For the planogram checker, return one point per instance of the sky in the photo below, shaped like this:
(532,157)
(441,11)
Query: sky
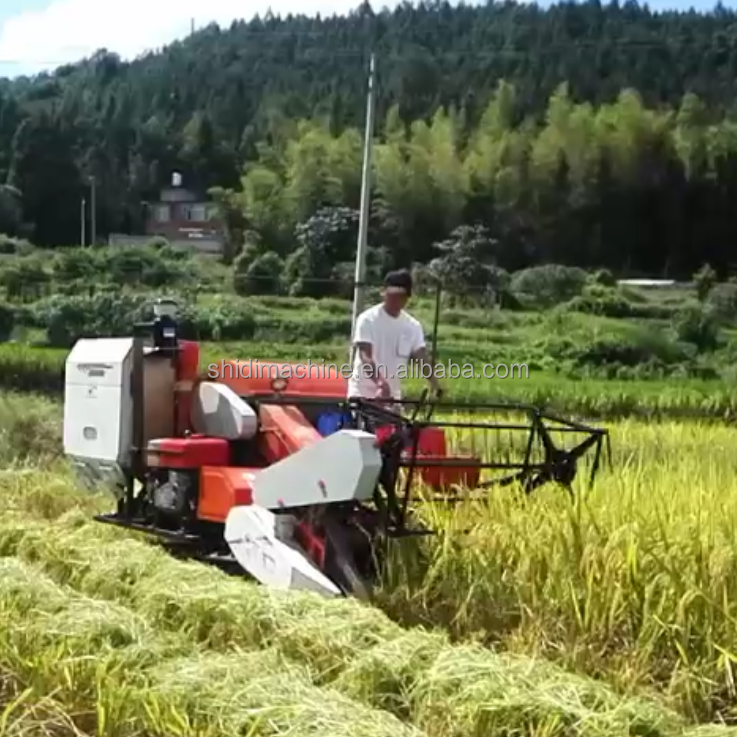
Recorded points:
(43,34)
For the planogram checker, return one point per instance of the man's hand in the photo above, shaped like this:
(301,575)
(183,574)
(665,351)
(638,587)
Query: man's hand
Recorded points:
(384,390)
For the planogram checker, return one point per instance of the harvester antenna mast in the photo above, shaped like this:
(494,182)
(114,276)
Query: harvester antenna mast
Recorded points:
(359,287)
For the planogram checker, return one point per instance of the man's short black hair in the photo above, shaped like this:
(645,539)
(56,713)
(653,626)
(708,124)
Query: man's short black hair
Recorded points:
(401,279)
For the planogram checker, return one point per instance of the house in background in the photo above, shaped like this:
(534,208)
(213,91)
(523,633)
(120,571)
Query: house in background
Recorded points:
(184,217)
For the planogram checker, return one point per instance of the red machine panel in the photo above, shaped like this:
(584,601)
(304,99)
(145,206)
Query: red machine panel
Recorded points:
(433,446)
(187,374)
(221,489)
(284,430)
(194,451)
(292,379)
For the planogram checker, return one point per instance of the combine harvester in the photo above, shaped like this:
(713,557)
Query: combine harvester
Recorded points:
(278,474)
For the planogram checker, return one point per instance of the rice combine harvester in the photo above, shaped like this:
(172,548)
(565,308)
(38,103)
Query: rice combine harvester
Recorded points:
(276,473)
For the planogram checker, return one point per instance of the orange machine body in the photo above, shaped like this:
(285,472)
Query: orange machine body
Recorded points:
(222,488)
(188,366)
(253,378)
(284,429)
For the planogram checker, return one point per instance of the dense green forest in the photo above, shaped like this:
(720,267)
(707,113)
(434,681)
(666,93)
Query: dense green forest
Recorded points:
(588,134)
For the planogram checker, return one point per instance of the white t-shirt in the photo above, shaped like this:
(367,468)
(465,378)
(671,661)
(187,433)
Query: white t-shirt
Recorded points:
(393,341)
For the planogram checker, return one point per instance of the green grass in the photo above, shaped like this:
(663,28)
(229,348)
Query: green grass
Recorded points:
(25,368)
(585,364)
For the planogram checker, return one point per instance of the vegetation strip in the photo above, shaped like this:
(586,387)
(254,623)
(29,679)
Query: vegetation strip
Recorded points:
(442,689)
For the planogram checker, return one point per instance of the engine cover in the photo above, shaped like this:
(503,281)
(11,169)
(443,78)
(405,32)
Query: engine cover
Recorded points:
(194,451)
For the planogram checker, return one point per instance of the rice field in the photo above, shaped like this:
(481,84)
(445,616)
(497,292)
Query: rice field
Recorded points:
(614,615)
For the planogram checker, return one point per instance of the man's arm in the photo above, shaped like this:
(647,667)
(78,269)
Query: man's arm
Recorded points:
(364,343)
(366,352)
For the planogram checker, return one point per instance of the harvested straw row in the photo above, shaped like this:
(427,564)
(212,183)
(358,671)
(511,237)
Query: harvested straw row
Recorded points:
(442,689)
(27,712)
(122,677)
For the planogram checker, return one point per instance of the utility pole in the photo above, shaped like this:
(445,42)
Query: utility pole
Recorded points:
(83,222)
(359,287)
(93,211)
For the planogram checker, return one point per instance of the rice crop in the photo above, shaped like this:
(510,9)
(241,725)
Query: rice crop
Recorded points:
(635,582)
(611,615)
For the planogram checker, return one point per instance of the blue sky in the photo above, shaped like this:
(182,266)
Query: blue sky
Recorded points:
(42,34)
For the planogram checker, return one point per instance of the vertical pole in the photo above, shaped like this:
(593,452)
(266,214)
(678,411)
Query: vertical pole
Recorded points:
(435,326)
(359,287)
(83,222)
(93,211)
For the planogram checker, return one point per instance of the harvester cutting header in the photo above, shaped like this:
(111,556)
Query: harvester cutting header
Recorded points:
(279,473)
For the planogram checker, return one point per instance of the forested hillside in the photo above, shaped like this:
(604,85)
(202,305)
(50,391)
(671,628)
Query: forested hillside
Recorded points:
(588,134)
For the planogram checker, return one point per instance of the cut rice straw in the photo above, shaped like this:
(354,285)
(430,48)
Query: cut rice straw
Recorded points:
(443,689)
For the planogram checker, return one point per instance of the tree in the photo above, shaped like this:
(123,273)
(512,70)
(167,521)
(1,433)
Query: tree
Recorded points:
(467,269)
(325,240)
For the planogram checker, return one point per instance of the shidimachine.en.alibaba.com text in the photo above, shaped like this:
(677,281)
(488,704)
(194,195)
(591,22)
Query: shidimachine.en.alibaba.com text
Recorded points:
(252,369)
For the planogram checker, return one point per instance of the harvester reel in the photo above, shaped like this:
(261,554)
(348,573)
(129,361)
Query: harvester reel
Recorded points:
(561,464)
(555,464)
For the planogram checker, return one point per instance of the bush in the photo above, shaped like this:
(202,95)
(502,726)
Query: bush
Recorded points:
(697,325)
(263,275)
(147,267)
(17,246)
(545,286)
(600,300)
(721,302)
(604,278)
(24,279)
(77,264)
(616,303)
(639,347)
(68,318)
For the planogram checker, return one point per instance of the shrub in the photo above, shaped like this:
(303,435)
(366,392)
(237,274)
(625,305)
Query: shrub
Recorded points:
(262,275)
(597,299)
(722,302)
(616,303)
(696,325)
(24,278)
(68,318)
(545,286)
(604,278)
(18,246)
(144,266)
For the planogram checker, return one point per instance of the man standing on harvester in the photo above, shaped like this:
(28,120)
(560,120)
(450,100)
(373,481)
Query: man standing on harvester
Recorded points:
(387,338)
